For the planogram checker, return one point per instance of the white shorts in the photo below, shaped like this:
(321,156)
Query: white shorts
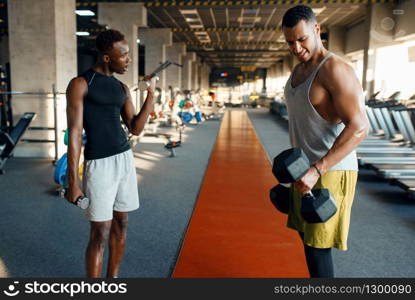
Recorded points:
(110,183)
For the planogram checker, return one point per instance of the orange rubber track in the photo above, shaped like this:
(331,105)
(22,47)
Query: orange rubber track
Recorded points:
(235,231)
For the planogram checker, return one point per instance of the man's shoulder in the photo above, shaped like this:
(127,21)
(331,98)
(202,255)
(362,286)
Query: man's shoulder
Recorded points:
(77,84)
(337,75)
(335,67)
(79,80)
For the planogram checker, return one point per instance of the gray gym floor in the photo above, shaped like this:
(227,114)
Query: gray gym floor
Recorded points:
(44,236)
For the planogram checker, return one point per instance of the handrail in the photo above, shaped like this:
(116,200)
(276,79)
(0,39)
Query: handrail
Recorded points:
(32,93)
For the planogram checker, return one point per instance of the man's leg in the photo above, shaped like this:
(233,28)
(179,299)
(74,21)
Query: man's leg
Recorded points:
(118,237)
(319,261)
(95,250)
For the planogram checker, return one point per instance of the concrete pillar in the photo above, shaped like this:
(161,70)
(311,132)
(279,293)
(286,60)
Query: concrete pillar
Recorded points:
(204,80)
(270,76)
(264,81)
(125,17)
(337,40)
(202,75)
(276,77)
(188,60)
(155,41)
(175,54)
(42,41)
(195,74)
(280,75)
(287,66)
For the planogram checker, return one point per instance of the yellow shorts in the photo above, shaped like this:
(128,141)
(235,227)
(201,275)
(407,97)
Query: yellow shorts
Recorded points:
(334,232)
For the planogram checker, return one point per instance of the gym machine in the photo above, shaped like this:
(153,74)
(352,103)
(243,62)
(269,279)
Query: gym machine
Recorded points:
(10,135)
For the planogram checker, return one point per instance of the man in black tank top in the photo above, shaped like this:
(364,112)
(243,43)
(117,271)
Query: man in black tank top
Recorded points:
(95,102)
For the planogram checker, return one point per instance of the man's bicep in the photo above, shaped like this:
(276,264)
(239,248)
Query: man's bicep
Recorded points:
(75,107)
(128,112)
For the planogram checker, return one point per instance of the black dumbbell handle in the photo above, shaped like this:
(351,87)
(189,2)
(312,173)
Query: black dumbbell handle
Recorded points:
(288,185)
(309,193)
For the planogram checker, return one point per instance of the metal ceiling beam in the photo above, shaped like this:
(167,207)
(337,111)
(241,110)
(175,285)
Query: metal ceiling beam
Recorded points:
(241,58)
(251,3)
(265,66)
(243,61)
(227,43)
(201,52)
(87,3)
(225,29)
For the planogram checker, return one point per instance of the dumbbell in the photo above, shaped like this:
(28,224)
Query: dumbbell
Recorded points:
(287,166)
(291,165)
(81,201)
(280,196)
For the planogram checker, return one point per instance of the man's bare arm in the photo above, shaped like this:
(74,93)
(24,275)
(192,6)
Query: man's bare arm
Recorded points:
(74,111)
(346,93)
(136,123)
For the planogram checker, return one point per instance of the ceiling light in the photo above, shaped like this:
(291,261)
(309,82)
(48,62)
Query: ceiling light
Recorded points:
(138,41)
(192,19)
(85,13)
(188,11)
(249,19)
(82,33)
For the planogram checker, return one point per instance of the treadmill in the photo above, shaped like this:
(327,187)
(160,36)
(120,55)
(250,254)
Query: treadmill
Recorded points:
(400,150)
(400,167)
(378,136)
(382,127)
(406,184)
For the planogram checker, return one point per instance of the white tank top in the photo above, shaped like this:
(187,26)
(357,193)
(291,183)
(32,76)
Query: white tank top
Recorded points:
(308,130)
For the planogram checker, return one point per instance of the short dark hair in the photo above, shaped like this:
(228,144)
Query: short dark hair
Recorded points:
(106,39)
(296,14)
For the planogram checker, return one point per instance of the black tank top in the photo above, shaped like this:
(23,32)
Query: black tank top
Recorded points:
(102,110)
